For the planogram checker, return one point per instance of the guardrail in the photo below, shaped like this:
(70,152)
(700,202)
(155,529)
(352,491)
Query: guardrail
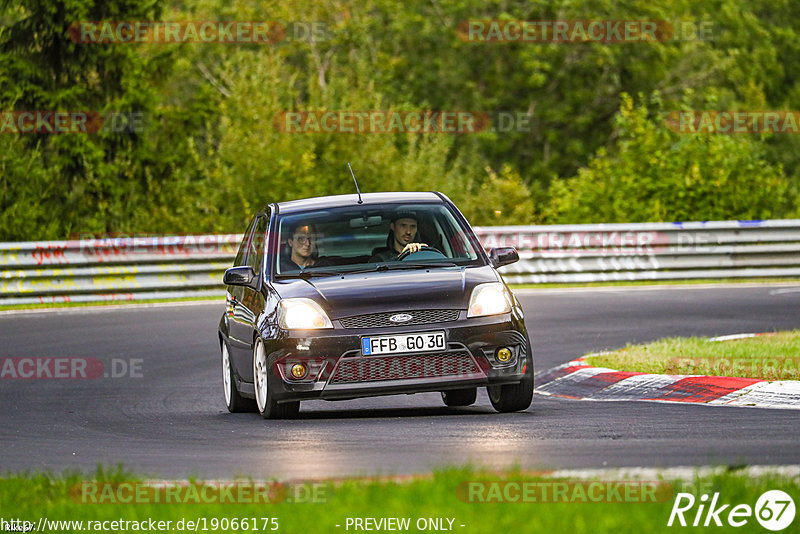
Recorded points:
(115,269)
(135,268)
(649,251)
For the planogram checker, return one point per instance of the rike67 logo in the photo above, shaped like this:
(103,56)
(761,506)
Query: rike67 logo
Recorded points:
(774,510)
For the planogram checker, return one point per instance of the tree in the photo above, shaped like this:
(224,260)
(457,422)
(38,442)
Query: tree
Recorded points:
(655,174)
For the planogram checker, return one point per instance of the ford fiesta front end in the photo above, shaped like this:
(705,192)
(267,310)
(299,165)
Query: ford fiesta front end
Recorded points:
(334,299)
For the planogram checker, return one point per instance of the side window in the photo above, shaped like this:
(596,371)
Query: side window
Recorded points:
(255,254)
(241,255)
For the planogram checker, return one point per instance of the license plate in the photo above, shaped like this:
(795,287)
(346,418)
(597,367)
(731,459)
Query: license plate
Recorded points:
(424,342)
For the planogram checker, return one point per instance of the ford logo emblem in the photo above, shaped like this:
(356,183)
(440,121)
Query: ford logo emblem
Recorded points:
(401,318)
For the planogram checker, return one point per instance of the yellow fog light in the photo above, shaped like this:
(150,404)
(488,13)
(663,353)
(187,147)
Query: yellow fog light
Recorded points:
(299,370)
(503,355)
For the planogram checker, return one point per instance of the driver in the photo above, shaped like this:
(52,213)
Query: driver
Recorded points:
(402,232)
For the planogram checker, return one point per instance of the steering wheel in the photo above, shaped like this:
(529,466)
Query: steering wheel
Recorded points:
(433,254)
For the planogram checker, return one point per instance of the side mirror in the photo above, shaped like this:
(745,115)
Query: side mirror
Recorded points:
(241,276)
(503,256)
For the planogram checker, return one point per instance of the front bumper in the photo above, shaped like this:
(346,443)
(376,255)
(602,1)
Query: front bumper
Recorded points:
(337,369)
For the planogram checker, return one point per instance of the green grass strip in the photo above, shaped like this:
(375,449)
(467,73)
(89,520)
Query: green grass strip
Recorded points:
(57,305)
(450,494)
(771,357)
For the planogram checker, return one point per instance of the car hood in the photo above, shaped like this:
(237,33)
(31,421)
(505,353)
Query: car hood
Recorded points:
(362,293)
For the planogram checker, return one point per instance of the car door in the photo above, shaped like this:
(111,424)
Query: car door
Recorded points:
(248,302)
(234,298)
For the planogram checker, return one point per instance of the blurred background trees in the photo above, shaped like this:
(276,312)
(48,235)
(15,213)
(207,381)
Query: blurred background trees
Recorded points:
(597,149)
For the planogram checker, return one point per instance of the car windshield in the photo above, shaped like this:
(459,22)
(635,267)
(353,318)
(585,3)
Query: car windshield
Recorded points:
(367,238)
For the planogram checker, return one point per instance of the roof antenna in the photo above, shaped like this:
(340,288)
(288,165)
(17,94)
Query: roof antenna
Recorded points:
(355,182)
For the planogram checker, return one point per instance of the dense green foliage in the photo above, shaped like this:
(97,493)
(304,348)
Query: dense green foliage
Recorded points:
(598,148)
(658,175)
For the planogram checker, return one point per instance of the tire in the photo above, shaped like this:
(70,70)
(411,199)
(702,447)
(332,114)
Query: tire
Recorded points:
(235,402)
(513,397)
(460,397)
(265,405)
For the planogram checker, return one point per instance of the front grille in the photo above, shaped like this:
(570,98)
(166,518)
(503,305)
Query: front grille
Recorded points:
(377,320)
(405,367)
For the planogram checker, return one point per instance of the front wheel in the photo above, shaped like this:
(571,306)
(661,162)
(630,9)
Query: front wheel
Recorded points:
(235,402)
(513,397)
(267,407)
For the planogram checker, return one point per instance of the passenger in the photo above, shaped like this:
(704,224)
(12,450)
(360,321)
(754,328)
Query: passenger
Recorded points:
(302,245)
(401,238)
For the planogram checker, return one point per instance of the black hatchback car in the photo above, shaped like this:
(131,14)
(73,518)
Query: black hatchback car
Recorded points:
(362,295)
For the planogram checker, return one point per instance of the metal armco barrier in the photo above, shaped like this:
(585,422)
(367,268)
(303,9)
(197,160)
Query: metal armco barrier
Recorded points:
(136,268)
(648,251)
(115,269)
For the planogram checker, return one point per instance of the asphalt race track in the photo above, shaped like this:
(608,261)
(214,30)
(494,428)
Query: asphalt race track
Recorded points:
(171,420)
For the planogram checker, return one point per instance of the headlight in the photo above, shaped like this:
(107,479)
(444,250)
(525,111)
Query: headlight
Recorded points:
(302,314)
(489,299)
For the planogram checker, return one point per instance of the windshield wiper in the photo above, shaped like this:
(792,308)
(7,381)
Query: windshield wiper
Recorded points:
(305,275)
(400,266)
(407,264)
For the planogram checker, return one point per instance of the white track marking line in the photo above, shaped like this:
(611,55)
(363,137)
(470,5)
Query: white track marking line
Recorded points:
(673,473)
(785,286)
